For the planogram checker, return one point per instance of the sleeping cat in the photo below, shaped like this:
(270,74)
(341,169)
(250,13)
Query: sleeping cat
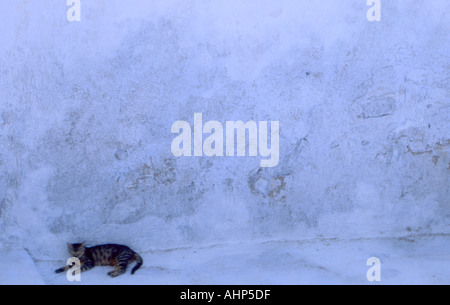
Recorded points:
(104,255)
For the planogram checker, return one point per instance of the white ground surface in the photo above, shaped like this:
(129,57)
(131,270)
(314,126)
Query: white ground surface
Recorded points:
(419,259)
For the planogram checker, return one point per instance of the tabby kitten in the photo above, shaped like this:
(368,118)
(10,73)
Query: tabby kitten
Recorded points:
(104,255)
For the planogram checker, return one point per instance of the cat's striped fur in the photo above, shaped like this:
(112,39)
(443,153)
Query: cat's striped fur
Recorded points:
(118,256)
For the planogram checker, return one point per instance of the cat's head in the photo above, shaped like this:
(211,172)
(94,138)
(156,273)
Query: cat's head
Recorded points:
(76,250)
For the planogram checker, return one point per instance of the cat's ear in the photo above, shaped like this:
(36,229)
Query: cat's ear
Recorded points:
(83,244)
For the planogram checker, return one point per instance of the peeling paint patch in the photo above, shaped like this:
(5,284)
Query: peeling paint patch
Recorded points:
(277,186)
(418,153)
(435,159)
(377,107)
(265,185)
(443,145)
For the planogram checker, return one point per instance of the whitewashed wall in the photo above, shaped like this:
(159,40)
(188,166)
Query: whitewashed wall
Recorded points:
(86,110)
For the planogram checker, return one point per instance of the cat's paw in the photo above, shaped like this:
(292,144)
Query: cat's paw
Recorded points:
(115,273)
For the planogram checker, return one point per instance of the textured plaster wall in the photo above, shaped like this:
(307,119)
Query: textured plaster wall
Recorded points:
(86,110)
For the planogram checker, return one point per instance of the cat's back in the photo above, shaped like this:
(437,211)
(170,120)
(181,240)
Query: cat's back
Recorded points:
(106,254)
(111,247)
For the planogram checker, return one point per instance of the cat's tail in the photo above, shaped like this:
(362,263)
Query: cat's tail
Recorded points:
(139,263)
